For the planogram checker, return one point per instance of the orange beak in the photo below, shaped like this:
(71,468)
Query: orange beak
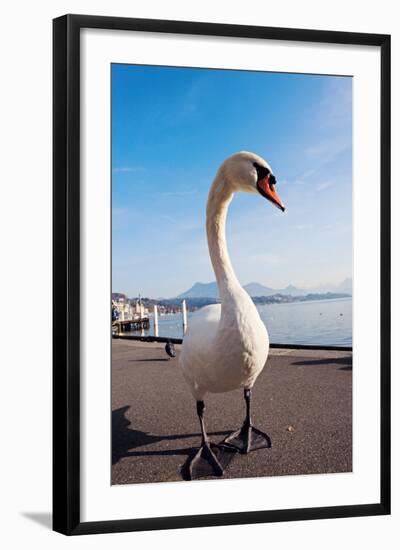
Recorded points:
(268,191)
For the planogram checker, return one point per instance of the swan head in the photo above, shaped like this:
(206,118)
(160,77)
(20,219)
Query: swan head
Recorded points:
(250,173)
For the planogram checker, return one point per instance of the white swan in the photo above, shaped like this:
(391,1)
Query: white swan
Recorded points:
(226,346)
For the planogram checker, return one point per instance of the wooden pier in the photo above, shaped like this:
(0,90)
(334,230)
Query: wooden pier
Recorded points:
(131,324)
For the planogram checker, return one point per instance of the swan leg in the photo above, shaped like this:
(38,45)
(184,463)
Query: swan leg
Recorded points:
(248,438)
(210,459)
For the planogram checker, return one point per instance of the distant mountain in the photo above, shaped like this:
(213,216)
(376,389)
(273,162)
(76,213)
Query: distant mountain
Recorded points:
(292,290)
(255,289)
(345,286)
(201,290)
(210,290)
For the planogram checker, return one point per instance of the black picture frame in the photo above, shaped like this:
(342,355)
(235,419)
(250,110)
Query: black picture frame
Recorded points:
(66,272)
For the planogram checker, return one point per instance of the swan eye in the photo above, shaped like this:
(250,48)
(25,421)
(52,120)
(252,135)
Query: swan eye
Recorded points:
(263,172)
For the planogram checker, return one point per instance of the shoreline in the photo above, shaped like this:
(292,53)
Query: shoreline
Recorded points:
(329,323)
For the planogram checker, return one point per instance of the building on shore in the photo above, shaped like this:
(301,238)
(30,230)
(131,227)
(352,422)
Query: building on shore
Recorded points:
(125,310)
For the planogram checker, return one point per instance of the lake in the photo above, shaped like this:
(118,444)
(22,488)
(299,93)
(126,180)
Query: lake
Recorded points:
(320,322)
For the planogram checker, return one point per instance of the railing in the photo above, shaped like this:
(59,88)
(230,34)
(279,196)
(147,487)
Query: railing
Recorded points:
(164,339)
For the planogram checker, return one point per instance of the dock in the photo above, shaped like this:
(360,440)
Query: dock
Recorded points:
(131,324)
(302,399)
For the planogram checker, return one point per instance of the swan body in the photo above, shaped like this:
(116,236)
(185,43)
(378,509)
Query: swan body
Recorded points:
(225,348)
(226,345)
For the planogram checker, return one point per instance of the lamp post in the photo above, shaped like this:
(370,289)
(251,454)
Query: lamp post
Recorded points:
(184,316)
(155,321)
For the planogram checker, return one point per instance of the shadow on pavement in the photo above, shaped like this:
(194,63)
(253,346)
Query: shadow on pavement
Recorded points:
(156,359)
(124,439)
(347,361)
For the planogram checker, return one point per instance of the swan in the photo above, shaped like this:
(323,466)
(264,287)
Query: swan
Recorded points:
(226,345)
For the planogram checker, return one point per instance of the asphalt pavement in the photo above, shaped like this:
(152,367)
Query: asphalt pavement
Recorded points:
(302,399)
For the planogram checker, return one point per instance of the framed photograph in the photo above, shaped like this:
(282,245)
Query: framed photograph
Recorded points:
(221,274)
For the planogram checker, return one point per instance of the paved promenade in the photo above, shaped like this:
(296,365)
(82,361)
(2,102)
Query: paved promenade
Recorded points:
(302,400)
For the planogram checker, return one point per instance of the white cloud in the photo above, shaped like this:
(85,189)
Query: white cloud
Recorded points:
(125,169)
(321,155)
(302,226)
(324,185)
(179,193)
(271,259)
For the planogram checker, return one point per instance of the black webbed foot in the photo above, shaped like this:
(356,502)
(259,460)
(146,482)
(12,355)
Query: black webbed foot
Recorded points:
(210,460)
(247,439)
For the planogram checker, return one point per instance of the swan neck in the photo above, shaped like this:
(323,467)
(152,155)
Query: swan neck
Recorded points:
(218,202)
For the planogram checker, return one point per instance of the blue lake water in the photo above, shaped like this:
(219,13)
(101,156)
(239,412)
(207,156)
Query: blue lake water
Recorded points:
(322,322)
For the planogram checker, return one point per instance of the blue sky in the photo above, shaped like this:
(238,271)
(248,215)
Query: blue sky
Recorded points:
(173,127)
